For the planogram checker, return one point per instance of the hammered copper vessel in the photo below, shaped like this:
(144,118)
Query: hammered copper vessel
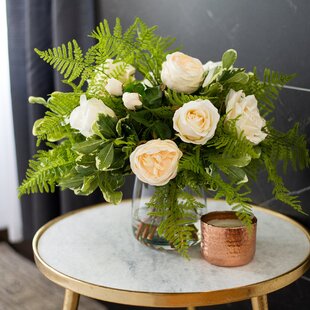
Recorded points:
(227,246)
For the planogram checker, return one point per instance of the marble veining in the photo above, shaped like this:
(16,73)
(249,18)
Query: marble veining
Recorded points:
(97,246)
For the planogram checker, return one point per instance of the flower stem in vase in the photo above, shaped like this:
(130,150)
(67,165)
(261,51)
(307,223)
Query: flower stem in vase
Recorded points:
(166,218)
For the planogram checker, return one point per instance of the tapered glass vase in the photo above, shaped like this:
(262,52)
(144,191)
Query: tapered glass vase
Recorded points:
(147,227)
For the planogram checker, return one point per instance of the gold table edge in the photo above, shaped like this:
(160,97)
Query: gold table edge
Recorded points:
(153,299)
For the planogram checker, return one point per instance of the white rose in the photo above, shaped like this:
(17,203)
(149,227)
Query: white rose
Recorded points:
(182,73)
(249,122)
(210,67)
(83,117)
(156,161)
(131,100)
(114,87)
(196,121)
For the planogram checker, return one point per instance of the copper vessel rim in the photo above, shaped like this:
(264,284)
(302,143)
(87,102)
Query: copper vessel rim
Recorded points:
(223,215)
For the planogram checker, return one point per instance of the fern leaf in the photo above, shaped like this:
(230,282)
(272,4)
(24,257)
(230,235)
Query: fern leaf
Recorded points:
(63,103)
(267,90)
(178,99)
(50,128)
(238,201)
(290,147)
(47,168)
(68,60)
(102,30)
(280,192)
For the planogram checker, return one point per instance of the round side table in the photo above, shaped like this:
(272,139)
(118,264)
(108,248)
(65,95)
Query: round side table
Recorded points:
(92,252)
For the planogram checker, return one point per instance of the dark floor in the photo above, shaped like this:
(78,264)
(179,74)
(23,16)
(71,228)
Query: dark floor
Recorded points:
(296,296)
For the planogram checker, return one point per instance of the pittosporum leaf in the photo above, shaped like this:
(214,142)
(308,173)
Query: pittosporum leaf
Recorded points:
(105,126)
(229,58)
(105,157)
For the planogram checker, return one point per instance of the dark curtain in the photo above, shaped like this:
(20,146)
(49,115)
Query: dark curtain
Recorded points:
(42,24)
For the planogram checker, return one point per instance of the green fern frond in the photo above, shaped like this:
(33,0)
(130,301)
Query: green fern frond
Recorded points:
(280,192)
(177,217)
(138,46)
(53,126)
(118,30)
(162,112)
(178,99)
(290,147)
(131,32)
(267,90)
(192,171)
(105,49)
(102,30)
(63,103)
(229,142)
(190,162)
(68,60)
(47,168)
(50,128)
(239,202)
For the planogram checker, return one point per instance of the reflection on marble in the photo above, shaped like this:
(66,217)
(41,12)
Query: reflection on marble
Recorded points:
(97,246)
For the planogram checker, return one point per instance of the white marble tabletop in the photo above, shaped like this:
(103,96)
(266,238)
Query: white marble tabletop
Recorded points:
(97,246)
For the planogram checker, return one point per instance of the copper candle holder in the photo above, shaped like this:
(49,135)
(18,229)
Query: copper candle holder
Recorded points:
(225,240)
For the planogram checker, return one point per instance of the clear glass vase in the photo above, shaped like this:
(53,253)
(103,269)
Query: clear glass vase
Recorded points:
(145,226)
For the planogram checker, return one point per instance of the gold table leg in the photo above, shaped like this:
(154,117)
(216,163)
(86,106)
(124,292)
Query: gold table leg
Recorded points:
(71,301)
(260,303)
(190,308)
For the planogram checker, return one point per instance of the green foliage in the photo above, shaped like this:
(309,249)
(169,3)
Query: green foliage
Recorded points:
(267,90)
(108,184)
(68,60)
(87,147)
(178,212)
(139,46)
(290,147)
(47,168)
(105,127)
(195,173)
(178,99)
(50,128)
(105,157)
(229,58)
(224,164)
(229,143)
(53,126)
(280,192)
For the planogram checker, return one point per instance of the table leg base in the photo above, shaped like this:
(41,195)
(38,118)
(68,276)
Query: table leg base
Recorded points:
(260,302)
(71,301)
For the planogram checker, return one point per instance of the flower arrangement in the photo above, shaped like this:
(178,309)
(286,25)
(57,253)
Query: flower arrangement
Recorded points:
(180,124)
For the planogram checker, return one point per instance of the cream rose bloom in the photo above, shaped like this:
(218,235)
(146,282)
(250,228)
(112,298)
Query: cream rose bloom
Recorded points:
(196,121)
(156,161)
(83,117)
(114,87)
(182,73)
(131,100)
(249,122)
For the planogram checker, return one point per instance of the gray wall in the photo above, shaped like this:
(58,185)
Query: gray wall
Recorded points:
(272,34)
